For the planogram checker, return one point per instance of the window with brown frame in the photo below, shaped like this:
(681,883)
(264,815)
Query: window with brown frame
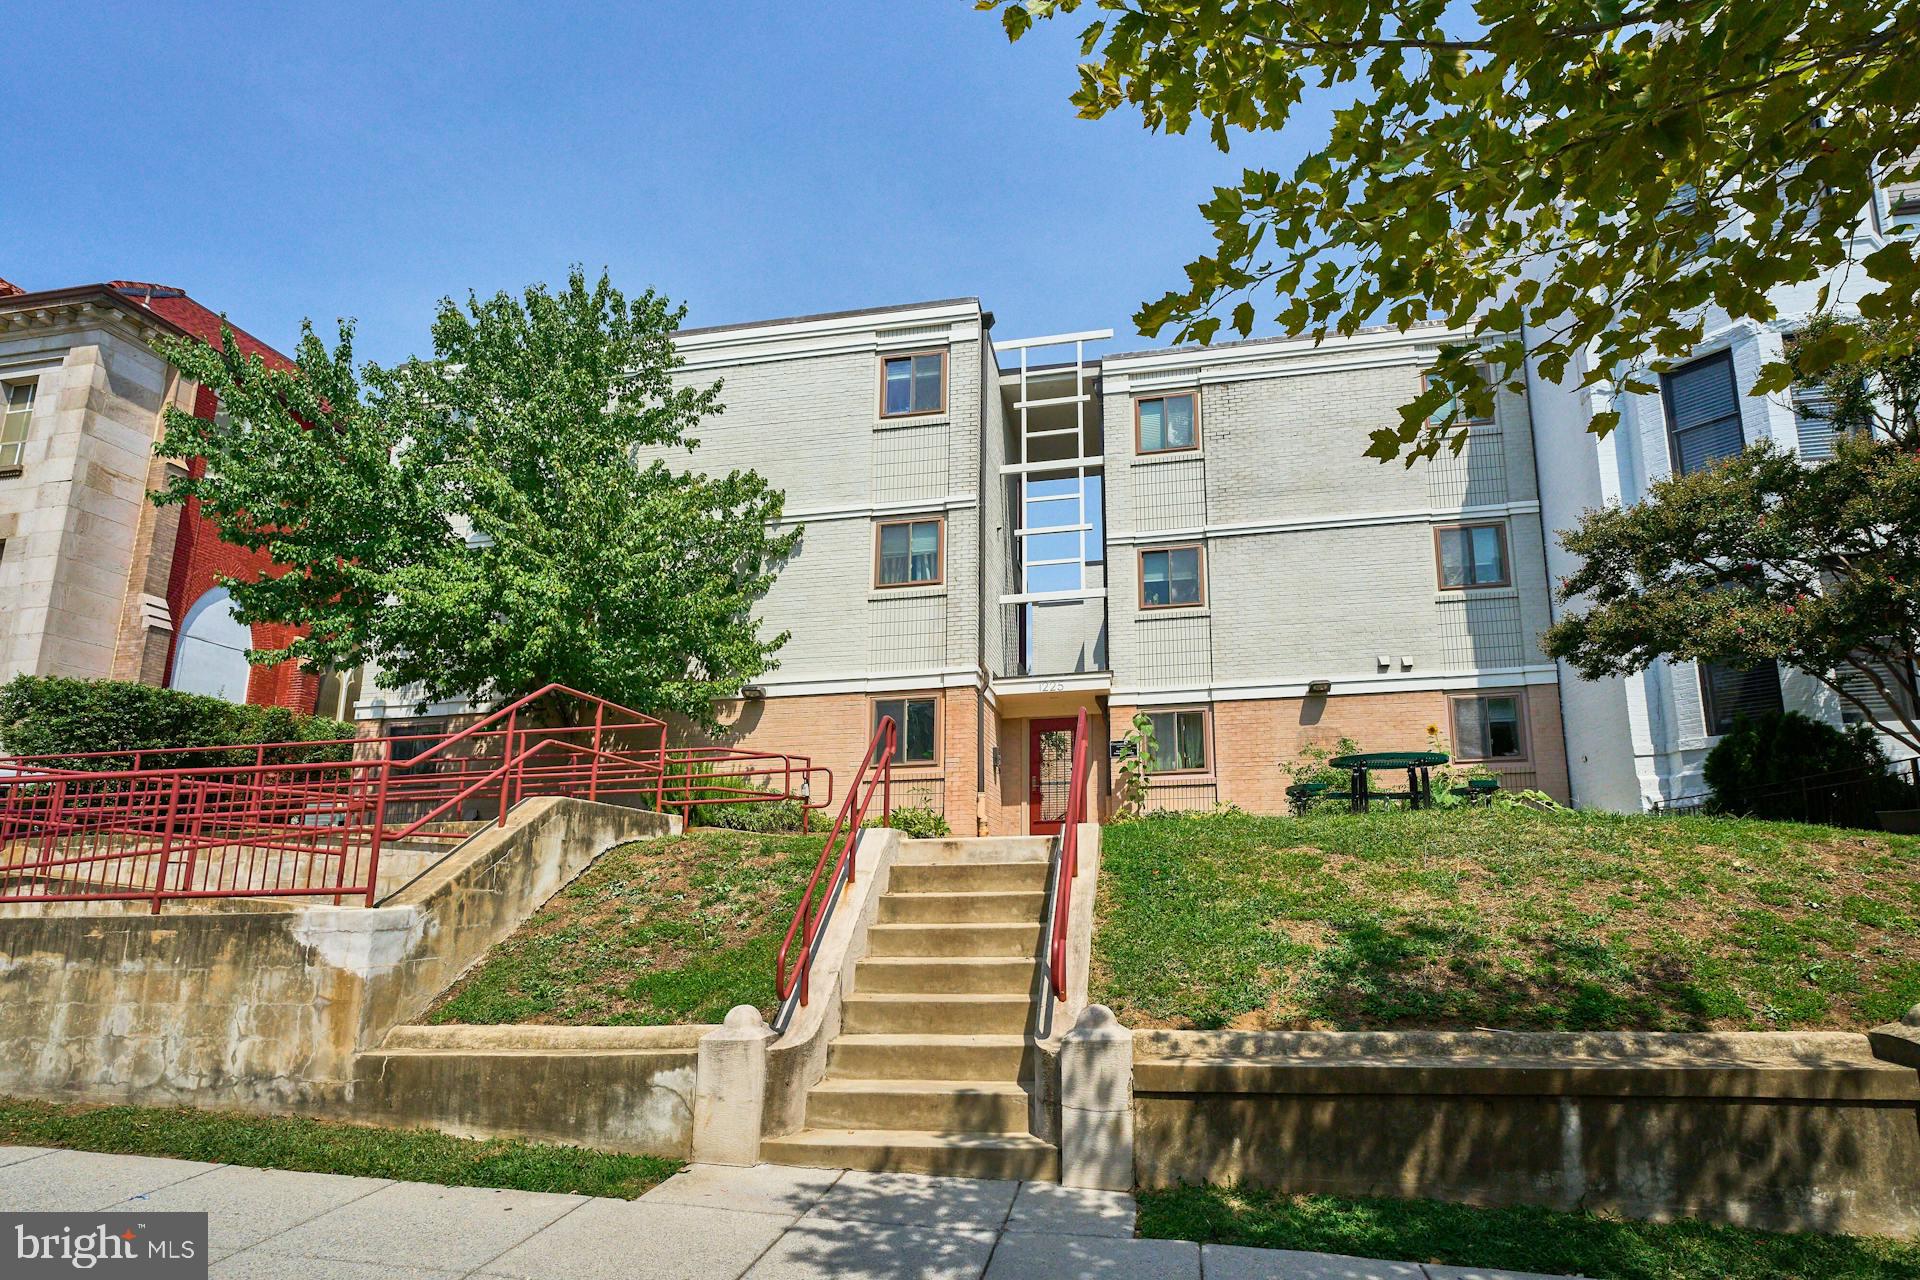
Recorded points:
(1166,424)
(1489,726)
(1471,555)
(1485,374)
(1172,577)
(916,728)
(1179,741)
(913,383)
(908,553)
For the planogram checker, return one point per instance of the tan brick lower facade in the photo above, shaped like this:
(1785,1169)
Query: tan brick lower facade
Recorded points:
(1249,742)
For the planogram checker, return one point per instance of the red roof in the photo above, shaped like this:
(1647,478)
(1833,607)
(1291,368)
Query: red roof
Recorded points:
(172,304)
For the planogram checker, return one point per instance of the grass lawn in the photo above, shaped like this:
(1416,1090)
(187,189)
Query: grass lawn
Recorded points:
(1516,1239)
(1505,918)
(322,1146)
(655,932)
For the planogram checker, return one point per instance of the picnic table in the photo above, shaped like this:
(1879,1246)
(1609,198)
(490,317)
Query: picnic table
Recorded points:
(1418,764)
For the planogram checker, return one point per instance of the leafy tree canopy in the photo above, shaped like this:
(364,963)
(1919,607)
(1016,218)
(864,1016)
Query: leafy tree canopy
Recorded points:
(1603,171)
(480,524)
(1761,558)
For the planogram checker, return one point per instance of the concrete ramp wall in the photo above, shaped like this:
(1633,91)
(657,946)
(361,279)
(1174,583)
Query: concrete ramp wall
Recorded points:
(266,1009)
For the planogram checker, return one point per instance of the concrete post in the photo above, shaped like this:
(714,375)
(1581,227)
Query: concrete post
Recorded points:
(1096,1102)
(730,1089)
(1898,1041)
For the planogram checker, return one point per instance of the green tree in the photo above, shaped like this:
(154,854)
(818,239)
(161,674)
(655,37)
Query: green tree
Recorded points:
(480,524)
(1603,172)
(1762,558)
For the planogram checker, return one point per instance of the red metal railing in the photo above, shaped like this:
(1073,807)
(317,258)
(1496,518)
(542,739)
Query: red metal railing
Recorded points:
(876,771)
(286,827)
(1069,864)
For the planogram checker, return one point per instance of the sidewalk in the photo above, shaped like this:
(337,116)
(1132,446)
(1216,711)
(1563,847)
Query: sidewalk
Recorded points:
(708,1223)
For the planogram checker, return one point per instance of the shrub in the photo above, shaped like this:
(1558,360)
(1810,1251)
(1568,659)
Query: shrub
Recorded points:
(764,817)
(1784,765)
(54,716)
(915,823)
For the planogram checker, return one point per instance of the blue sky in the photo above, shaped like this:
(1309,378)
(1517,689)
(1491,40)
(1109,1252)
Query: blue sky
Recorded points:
(752,159)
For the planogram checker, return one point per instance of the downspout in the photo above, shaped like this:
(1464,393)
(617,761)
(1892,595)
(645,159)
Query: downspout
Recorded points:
(989,386)
(1539,495)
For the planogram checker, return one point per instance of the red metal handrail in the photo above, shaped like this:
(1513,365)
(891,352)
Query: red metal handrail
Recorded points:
(318,827)
(1069,866)
(839,850)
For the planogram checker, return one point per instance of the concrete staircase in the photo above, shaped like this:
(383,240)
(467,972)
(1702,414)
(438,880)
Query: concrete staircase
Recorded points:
(932,1070)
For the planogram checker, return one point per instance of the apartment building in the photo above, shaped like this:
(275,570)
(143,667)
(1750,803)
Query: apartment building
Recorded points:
(1641,741)
(999,533)
(95,581)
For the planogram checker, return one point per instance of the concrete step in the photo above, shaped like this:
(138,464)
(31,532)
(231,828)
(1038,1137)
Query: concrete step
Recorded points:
(886,1056)
(957,877)
(973,1155)
(992,906)
(947,975)
(915,1013)
(976,849)
(954,939)
(938,1106)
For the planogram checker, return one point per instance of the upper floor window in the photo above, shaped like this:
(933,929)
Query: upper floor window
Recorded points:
(1163,424)
(1467,418)
(1703,413)
(1179,741)
(914,383)
(1171,577)
(1472,555)
(908,554)
(1488,727)
(1729,694)
(915,728)
(16,406)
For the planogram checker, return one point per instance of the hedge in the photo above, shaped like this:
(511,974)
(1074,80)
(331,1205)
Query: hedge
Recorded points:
(52,715)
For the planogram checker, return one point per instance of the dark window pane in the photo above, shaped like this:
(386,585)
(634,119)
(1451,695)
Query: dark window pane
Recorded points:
(918,745)
(1502,719)
(1732,695)
(1703,412)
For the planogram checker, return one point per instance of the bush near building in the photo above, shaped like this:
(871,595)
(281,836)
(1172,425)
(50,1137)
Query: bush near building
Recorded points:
(1505,917)
(53,715)
(1785,765)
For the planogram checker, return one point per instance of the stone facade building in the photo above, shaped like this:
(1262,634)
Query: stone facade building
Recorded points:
(95,581)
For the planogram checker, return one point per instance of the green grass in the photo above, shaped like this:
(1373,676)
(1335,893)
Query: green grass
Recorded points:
(1505,918)
(655,932)
(322,1146)
(1516,1239)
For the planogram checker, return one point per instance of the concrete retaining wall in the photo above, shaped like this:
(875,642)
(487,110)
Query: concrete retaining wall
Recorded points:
(616,1088)
(266,1009)
(1784,1131)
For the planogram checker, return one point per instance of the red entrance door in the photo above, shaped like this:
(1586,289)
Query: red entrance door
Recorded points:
(1049,774)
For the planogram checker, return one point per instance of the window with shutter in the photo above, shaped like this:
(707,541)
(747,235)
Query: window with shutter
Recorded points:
(1703,413)
(1877,703)
(1729,694)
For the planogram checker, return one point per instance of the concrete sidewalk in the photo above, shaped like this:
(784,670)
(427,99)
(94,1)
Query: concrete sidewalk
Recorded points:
(708,1223)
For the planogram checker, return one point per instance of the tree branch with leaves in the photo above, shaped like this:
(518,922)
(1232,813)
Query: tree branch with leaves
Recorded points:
(1576,182)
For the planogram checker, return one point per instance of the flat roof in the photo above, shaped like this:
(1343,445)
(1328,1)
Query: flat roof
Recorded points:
(778,321)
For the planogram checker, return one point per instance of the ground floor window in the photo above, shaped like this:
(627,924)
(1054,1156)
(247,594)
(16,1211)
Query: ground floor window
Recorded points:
(915,722)
(1730,694)
(1488,726)
(1179,741)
